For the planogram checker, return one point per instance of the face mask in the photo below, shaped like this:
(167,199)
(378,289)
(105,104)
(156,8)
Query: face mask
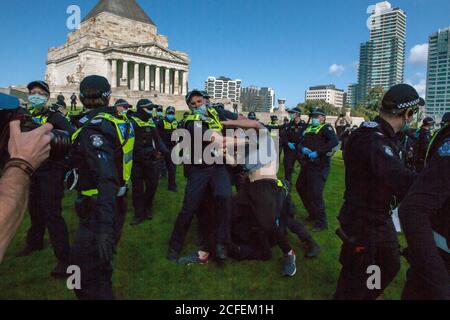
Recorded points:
(124,113)
(315,122)
(406,127)
(201,110)
(159,114)
(170,117)
(37,101)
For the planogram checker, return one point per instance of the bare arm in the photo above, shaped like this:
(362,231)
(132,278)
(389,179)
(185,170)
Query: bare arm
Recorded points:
(14,186)
(33,147)
(242,123)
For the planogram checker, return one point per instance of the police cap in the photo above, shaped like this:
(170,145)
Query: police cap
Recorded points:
(401,97)
(40,84)
(95,87)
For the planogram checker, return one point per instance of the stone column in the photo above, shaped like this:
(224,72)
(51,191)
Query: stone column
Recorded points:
(147,77)
(176,82)
(184,84)
(124,79)
(136,77)
(113,79)
(167,81)
(157,79)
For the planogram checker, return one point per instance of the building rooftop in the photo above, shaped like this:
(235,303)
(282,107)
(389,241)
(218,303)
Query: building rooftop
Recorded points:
(129,9)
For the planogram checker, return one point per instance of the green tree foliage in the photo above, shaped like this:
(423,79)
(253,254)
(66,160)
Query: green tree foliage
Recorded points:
(329,109)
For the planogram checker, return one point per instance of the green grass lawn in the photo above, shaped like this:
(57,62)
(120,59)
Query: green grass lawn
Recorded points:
(142,271)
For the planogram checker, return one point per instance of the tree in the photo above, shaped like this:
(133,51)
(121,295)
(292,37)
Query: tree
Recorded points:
(329,109)
(374,98)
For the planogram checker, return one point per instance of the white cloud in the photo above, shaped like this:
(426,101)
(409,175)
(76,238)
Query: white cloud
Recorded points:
(336,69)
(420,86)
(419,54)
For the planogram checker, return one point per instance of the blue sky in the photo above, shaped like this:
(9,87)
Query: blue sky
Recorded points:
(288,45)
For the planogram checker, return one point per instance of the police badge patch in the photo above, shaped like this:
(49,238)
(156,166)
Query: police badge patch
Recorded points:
(388,151)
(96,140)
(444,150)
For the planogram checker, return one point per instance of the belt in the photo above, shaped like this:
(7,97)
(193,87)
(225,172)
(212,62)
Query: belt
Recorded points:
(93,192)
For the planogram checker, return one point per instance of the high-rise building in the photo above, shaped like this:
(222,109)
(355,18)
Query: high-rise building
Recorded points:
(352,91)
(438,74)
(224,88)
(382,58)
(327,93)
(257,99)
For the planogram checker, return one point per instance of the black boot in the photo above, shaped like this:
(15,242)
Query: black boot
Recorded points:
(312,249)
(137,221)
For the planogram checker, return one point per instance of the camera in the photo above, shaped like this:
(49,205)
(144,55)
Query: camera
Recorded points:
(60,143)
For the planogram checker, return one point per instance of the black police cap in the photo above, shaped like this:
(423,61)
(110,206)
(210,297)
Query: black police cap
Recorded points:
(428,121)
(317,112)
(401,97)
(170,109)
(145,103)
(196,92)
(95,87)
(122,103)
(40,84)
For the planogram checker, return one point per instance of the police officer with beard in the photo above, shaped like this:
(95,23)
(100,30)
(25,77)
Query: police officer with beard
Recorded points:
(148,153)
(425,217)
(103,156)
(47,187)
(376,180)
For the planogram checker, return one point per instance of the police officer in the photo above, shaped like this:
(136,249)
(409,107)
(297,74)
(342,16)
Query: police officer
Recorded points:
(47,187)
(423,138)
(425,217)
(182,123)
(252,116)
(445,119)
(166,127)
(204,179)
(123,107)
(290,138)
(159,117)
(315,149)
(73,102)
(273,124)
(103,155)
(376,179)
(148,153)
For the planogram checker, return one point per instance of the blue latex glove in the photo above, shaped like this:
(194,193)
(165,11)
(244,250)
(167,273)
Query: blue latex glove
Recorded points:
(313,155)
(306,151)
(291,145)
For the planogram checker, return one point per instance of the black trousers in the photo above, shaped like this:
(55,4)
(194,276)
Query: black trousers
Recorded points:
(310,185)
(373,246)
(171,171)
(288,222)
(214,180)
(96,275)
(265,200)
(73,106)
(45,207)
(290,157)
(145,181)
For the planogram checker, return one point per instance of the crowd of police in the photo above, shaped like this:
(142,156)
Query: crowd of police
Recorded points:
(388,166)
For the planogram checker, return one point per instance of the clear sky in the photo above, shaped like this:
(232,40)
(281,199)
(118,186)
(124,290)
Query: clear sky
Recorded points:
(288,45)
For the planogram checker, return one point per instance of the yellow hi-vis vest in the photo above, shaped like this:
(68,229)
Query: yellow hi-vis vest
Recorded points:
(143,124)
(170,125)
(213,122)
(314,130)
(38,119)
(126,140)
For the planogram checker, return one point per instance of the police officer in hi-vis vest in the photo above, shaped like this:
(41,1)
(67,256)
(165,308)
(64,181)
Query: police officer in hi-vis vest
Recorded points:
(166,127)
(47,186)
(315,149)
(149,151)
(103,157)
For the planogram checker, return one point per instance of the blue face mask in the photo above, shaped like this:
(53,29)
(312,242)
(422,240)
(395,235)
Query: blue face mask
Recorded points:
(315,122)
(37,101)
(170,117)
(159,114)
(201,110)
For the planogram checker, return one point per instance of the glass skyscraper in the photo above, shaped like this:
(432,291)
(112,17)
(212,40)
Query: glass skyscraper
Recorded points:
(438,74)
(382,58)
